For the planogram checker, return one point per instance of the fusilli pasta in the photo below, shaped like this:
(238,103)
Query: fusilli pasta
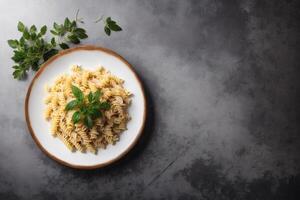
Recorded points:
(106,130)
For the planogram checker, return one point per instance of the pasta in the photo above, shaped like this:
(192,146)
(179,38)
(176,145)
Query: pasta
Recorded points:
(106,129)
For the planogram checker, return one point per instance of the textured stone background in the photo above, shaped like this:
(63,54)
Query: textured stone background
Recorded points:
(222,80)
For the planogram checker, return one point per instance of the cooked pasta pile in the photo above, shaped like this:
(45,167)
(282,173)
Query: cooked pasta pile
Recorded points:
(106,129)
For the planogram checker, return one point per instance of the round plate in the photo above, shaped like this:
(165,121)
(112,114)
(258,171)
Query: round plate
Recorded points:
(89,57)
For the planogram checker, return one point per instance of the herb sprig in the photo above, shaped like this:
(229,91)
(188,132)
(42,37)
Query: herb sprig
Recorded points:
(109,25)
(68,32)
(88,108)
(32,49)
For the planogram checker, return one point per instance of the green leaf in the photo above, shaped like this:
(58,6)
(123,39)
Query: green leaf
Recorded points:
(74,39)
(53,32)
(35,66)
(95,112)
(32,49)
(19,74)
(26,34)
(71,105)
(114,27)
(32,29)
(18,56)
(88,121)
(76,117)
(82,35)
(105,106)
(79,30)
(13,43)
(77,93)
(84,110)
(43,30)
(33,36)
(21,27)
(73,24)
(22,42)
(107,30)
(49,54)
(67,23)
(108,19)
(53,42)
(90,97)
(64,46)
(97,95)
(56,26)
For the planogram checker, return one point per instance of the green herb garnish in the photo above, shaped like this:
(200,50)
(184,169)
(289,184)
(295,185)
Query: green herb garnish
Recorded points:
(68,32)
(32,49)
(109,25)
(88,108)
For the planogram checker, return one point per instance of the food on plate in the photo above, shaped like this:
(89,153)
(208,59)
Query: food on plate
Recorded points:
(88,110)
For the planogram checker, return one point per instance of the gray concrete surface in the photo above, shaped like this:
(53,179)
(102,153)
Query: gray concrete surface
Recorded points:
(222,80)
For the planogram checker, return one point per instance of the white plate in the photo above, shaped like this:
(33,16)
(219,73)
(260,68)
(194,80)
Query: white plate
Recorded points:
(89,57)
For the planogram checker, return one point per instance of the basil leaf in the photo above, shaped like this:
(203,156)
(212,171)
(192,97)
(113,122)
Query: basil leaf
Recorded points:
(82,35)
(26,34)
(49,54)
(33,36)
(97,95)
(90,97)
(35,66)
(64,46)
(107,31)
(22,42)
(105,105)
(108,19)
(13,43)
(18,56)
(53,42)
(74,39)
(67,23)
(114,27)
(84,110)
(43,30)
(88,121)
(56,26)
(21,27)
(71,105)
(19,74)
(76,117)
(77,93)
(79,30)
(95,112)
(32,29)
(73,24)
(53,32)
